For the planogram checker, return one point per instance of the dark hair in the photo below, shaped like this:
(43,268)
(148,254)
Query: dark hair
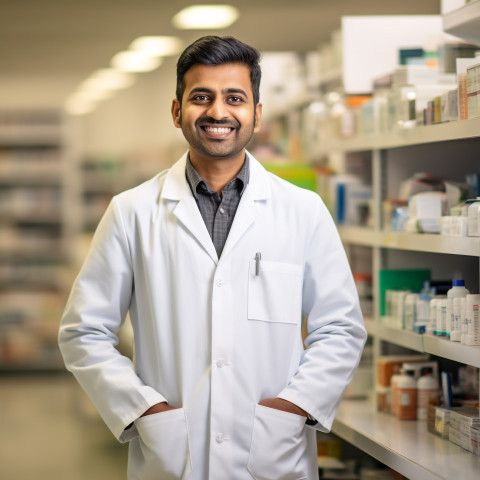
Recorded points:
(214,50)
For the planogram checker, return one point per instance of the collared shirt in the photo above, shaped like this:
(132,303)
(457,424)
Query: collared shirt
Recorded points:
(218,212)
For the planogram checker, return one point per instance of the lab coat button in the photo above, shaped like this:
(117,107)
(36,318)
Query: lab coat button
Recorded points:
(220,438)
(219,283)
(220,363)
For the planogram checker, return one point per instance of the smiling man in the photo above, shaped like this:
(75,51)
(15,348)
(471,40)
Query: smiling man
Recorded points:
(218,263)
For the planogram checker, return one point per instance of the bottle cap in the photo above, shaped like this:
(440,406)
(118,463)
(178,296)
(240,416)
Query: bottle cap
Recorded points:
(458,283)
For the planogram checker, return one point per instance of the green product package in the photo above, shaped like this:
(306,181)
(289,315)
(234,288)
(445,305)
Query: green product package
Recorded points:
(300,175)
(400,279)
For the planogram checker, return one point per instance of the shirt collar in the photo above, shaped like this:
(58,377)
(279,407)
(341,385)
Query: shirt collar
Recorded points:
(196,182)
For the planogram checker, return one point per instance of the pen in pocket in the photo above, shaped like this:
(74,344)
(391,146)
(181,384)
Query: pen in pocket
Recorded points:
(258,257)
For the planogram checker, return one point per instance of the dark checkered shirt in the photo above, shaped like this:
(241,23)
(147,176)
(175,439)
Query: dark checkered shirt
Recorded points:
(218,213)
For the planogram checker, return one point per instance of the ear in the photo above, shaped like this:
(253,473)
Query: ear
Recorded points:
(258,117)
(176,112)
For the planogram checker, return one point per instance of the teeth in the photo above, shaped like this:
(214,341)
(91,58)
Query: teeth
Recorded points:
(217,129)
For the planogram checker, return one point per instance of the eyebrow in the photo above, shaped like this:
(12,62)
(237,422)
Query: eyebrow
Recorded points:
(224,91)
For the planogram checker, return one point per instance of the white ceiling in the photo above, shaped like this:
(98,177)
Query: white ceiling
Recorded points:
(58,43)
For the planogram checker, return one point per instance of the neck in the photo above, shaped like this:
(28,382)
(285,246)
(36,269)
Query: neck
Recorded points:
(218,172)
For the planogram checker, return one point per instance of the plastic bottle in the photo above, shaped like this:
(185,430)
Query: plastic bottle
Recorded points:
(472,314)
(427,390)
(431,327)
(406,398)
(394,393)
(458,320)
(409,310)
(441,319)
(473,218)
(422,308)
(458,290)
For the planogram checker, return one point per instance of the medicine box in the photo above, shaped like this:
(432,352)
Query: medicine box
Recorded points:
(438,420)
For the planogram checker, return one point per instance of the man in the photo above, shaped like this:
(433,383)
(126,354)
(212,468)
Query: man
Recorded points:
(216,261)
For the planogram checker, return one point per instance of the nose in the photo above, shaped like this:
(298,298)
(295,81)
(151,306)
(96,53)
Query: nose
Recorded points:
(216,109)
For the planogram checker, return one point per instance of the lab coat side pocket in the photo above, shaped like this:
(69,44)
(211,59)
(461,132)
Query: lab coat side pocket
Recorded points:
(275,292)
(279,449)
(164,446)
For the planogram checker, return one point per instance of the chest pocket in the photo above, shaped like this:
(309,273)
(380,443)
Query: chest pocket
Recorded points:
(275,294)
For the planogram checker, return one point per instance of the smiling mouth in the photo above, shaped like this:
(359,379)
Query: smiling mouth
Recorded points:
(218,130)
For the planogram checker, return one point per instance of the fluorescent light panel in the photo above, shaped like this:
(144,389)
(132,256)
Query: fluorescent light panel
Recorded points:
(135,61)
(157,45)
(109,79)
(202,17)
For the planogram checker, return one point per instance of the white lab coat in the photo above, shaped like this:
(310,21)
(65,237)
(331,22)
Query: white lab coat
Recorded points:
(211,336)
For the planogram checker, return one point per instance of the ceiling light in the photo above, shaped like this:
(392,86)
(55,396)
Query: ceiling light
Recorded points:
(133,61)
(157,45)
(109,79)
(204,17)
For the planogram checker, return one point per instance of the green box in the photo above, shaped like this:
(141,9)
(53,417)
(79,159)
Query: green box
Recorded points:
(299,174)
(400,279)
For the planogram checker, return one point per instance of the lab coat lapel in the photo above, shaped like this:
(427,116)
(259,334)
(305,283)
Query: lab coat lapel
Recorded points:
(176,188)
(257,190)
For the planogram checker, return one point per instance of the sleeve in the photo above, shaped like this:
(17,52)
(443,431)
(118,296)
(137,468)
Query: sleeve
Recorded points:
(95,311)
(336,332)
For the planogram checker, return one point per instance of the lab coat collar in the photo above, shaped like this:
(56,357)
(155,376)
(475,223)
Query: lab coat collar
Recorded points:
(176,188)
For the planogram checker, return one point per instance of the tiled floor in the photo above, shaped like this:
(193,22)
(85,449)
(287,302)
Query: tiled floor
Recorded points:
(50,431)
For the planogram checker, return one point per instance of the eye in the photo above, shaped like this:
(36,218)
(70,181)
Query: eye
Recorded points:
(201,98)
(235,99)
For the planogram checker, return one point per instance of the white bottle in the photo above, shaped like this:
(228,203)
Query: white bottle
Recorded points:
(431,327)
(458,290)
(394,393)
(473,218)
(427,390)
(472,314)
(441,320)
(406,398)
(409,310)
(458,320)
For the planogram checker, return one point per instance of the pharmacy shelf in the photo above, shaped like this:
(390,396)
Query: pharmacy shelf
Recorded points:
(431,243)
(411,241)
(425,343)
(405,446)
(453,350)
(359,235)
(404,338)
(464,22)
(417,135)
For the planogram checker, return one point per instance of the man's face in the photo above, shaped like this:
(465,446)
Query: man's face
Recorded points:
(217,116)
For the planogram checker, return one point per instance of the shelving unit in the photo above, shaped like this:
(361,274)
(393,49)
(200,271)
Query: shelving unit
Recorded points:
(37,230)
(464,22)
(409,136)
(101,180)
(405,446)
(410,241)
(451,151)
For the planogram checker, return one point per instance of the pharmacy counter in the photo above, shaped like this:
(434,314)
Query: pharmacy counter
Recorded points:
(405,446)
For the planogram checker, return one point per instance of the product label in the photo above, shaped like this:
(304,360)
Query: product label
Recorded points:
(405,399)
